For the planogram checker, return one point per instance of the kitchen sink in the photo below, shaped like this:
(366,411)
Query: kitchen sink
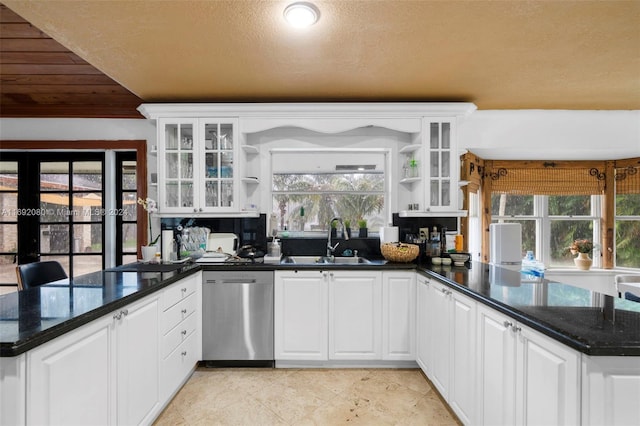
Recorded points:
(324,260)
(304,260)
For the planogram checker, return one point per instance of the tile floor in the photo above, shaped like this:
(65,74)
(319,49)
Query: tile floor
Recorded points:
(307,397)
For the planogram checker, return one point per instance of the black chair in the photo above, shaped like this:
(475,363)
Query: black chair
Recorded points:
(38,273)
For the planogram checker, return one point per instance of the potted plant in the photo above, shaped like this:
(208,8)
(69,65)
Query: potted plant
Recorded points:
(347,227)
(362,226)
(149,251)
(583,248)
(334,231)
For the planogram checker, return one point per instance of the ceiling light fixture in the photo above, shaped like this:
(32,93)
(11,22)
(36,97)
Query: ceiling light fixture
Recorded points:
(301,14)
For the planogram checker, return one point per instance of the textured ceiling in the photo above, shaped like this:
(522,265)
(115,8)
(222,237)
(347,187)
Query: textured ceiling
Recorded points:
(498,54)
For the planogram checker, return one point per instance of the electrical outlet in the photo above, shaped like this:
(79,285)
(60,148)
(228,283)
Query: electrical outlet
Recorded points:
(424,233)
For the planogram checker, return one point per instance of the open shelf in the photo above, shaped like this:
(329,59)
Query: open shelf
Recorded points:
(250,149)
(409,148)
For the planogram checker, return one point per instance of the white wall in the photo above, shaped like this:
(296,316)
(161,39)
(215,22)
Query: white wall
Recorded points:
(76,129)
(551,134)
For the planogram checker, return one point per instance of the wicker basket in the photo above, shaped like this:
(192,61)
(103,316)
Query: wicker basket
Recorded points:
(399,252)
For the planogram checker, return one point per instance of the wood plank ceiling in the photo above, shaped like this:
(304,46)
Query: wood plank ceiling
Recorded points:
(41,78)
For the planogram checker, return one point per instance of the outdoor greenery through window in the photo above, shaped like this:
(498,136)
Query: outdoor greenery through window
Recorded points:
(551,223)
(627,230)
(305,200)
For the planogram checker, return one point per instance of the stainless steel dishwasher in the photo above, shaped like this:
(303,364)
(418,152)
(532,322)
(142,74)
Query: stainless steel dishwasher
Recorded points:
(237,318)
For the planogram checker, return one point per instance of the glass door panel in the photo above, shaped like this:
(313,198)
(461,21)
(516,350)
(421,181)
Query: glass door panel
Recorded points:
(171,197)
(186,194)
(446,161)
(440,157)
(186,165)
(434,136)
(171,164)
(8,220)
(435,164)
(446,193)
(226,194)
(446,136)
(434,200)
(211,194)
(171,137)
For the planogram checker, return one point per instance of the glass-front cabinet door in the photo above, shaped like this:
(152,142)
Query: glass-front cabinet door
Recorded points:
(177,154)
(441,185)
(196,168)
(218,166)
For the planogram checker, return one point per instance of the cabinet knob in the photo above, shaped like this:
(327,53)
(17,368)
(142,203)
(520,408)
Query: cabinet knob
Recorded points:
(331,275)
(125,312)
(117,316)
(195,210)
(184,353)
(184,311)
(184,289)
(507,324)
(184,332)
(516,329)
(201,209)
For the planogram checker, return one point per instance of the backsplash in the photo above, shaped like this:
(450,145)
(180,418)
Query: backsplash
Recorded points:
(250,230)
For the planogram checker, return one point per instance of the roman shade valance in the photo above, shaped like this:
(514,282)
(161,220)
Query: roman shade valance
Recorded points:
(546,177)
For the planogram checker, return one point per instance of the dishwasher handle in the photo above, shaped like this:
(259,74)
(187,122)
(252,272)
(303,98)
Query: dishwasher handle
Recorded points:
(231,281)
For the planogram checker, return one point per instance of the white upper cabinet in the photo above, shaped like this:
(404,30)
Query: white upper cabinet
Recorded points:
(430,171)
(209,162)
(197,162)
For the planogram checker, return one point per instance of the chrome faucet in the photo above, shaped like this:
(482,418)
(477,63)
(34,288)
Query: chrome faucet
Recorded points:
(330,248)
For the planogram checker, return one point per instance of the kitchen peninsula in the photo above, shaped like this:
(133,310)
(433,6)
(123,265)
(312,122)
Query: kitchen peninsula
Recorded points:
(539,325)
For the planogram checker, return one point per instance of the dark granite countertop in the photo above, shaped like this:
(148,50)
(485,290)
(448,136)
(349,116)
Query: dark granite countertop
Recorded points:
(35,316)
(568,314)
(572,315)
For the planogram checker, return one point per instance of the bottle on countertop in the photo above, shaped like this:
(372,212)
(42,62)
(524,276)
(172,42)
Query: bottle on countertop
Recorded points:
(434,240)
(443,240)
(274,249)
(531,268)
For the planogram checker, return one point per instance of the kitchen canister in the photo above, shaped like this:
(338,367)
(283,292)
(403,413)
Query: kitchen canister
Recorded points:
(389,234)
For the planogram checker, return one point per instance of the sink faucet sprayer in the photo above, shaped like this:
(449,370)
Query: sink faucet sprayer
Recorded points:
(330,248)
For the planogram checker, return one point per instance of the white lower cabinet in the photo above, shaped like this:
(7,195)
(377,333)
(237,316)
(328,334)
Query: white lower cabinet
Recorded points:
(362,315)
(423,332)
(181,331)
(103,373)
(399,315)
(71,380)
(138,364)
(355,315)
(113,370)
(610,389)
(447,345)
(524,377)
(301,315)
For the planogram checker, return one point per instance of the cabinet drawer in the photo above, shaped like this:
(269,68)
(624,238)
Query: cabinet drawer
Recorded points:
(178,334)
(177,292)
(177,365)
(178,312)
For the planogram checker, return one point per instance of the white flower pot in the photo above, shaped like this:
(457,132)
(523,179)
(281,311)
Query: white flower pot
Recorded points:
(148,253)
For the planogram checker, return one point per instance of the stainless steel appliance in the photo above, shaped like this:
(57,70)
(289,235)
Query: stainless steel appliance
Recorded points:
(237,318)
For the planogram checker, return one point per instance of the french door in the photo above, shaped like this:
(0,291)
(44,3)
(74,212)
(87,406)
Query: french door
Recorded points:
(52,206)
